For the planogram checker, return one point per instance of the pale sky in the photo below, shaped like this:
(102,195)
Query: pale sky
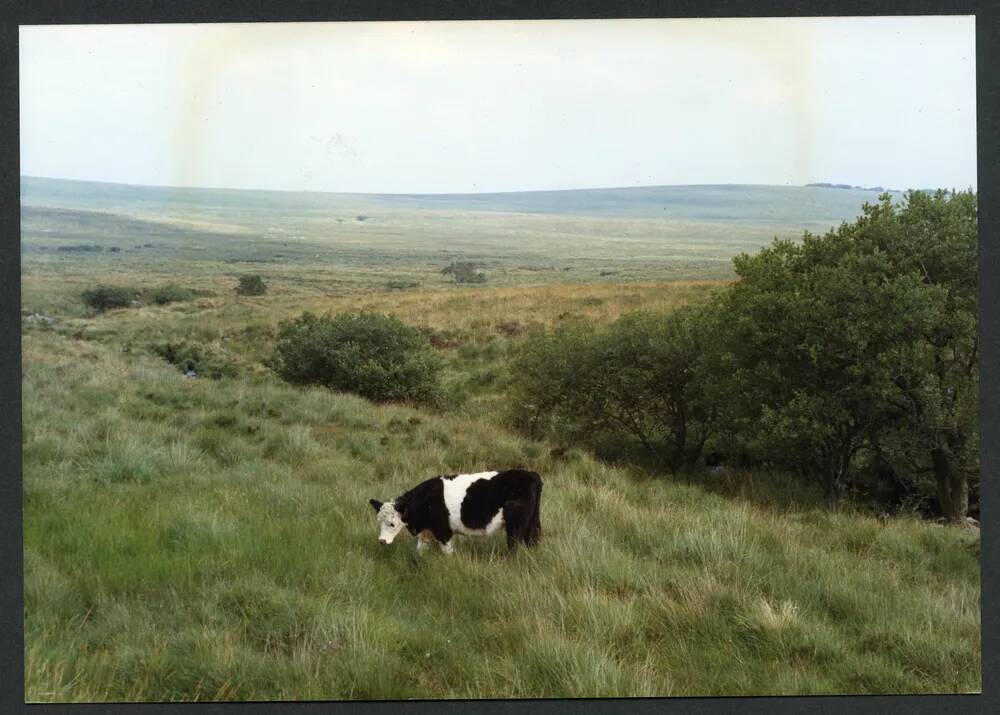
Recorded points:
(428,107)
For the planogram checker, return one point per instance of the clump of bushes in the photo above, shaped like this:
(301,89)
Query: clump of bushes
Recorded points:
(104,298)
(171,293)
(372,355)
(849,359)
(464,272)
(251,285)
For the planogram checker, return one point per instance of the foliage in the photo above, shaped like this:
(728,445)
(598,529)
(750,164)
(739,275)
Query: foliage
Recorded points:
(376,356)
(171,293)
(204,360)
(251,285)
(858,343)
(104,297)
(636,379)
(464,272)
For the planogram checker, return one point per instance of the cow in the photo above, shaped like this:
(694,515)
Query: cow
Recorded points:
(477,504)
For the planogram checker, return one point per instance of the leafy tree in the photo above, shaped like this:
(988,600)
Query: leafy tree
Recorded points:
(251,285)
(935,237)
(638,379)
(375,356)
(860,341)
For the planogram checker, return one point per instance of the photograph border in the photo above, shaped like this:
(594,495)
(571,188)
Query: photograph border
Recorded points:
(45,12)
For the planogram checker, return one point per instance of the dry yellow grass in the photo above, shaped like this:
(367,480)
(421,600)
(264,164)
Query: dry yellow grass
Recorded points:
(455,307)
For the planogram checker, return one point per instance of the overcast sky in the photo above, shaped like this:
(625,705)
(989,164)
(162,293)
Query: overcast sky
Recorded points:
(503,106)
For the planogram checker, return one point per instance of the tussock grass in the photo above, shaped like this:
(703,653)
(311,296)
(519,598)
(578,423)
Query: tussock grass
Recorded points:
(211,540)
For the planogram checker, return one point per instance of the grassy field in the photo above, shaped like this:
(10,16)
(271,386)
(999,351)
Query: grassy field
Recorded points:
(211,539)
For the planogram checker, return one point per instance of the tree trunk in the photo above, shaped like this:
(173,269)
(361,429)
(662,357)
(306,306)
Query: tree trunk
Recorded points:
(953,486)
(829,476)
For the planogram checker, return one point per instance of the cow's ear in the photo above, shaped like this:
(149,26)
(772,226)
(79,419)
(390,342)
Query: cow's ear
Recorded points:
(376,504)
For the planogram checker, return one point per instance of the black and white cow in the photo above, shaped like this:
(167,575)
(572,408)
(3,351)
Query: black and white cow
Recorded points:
(472,504)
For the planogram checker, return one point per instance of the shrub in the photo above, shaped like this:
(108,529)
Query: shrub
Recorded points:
(105,298)
(251,285)
(375,356)
(464,272)
(171,293)
(205,361)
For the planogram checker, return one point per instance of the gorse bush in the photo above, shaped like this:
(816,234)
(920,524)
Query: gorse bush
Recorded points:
(375,356)
(251,285)
(104,298)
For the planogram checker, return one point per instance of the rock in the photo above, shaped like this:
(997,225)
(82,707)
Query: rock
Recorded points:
(39,318)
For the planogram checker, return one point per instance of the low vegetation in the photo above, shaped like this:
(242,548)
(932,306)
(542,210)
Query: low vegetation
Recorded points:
(211,540)
(251,285)
(375,356)
(104,298)
(464,272)
(172,293)
(196,471)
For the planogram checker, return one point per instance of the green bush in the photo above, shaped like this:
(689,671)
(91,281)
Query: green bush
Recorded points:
(375,356)
(251,285)
(171,293)
(635,382)
(104,298)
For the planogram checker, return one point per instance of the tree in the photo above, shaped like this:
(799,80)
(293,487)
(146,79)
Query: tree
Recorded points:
(935,237)
(860,340)
(638,379)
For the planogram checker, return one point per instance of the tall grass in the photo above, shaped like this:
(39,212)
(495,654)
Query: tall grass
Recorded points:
(211,540)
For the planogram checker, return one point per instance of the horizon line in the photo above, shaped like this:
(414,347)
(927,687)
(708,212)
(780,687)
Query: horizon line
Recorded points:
(825,184)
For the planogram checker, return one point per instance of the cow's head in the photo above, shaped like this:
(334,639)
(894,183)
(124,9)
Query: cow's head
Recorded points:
(390,522)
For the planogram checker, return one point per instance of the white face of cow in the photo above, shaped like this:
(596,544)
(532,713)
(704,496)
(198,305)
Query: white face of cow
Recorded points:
(389,521)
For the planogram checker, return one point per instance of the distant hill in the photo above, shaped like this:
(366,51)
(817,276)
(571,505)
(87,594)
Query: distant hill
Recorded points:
(823,184)
(772,205)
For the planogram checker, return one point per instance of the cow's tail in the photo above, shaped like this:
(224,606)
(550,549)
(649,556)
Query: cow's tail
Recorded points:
(533,532)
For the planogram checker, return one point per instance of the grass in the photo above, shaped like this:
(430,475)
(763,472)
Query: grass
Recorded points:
(211,539)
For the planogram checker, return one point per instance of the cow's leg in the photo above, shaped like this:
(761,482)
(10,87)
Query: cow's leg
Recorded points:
(424,539)
(516,514)
(447,548)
